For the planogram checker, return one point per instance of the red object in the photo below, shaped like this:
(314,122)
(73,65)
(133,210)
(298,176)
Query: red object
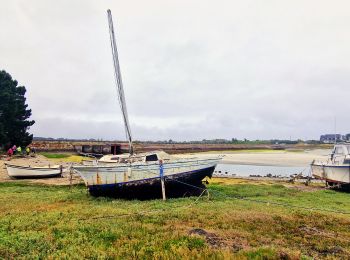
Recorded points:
(10,152)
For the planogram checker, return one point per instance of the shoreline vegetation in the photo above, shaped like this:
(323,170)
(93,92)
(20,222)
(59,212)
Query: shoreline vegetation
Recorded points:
(63,146)
(288,221)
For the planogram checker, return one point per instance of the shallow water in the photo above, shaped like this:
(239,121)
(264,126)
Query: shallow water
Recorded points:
(257,170)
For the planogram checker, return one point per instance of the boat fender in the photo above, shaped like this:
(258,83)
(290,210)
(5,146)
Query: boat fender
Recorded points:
(129,172)
(98,179)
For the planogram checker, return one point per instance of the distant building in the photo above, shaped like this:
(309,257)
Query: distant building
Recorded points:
(347,137)
(330,138)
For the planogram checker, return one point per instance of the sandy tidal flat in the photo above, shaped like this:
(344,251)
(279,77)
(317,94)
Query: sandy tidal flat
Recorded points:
(273,157)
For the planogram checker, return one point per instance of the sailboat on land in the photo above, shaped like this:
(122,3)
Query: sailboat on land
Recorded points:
(139,175)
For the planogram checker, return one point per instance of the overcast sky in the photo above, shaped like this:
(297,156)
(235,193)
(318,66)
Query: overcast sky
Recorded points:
(191,69)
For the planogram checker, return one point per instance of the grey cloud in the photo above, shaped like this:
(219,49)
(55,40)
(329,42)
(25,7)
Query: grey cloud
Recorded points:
(191,69)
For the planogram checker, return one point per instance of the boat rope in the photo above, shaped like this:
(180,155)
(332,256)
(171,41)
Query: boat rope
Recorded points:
(223,195)
(284,204)
(266,202)
(145,212)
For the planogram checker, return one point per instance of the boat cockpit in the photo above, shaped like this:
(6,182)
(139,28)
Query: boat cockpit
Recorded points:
(142,157)
(341,154)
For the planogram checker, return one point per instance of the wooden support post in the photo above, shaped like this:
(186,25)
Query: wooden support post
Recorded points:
(161,173)
(70,177)
(208,194)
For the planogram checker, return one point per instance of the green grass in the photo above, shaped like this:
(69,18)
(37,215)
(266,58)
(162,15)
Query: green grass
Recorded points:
(64,157)
(55,155)
(39,221)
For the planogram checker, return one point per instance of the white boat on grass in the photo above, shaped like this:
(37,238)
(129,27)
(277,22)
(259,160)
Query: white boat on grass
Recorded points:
(336,169)
(139,176)
(23,172)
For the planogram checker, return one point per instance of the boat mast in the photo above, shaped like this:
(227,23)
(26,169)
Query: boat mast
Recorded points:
(119,83)
(335,130)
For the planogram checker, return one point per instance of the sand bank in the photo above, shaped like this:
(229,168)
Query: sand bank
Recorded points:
(273,157)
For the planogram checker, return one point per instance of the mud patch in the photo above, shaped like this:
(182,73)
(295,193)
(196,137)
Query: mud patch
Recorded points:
(305,188)
(331,250)
(214,241)
(315,231)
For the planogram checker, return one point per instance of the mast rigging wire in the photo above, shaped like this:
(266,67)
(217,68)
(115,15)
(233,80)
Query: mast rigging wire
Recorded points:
(119,82)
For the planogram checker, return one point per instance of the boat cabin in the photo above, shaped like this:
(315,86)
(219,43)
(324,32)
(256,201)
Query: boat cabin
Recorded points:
(153,156)
(341,153)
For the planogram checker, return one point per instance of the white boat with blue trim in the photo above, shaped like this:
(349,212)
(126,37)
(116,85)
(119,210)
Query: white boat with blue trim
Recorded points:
(336,170)
(141,175)
(138,176)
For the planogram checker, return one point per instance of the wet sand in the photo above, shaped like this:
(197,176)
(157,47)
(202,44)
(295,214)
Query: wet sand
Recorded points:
(273,157)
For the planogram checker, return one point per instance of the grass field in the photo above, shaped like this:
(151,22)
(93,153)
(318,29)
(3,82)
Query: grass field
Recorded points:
(38,221)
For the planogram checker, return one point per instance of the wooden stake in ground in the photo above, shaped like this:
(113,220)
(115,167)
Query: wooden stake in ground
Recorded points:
(70,177)
(161,173)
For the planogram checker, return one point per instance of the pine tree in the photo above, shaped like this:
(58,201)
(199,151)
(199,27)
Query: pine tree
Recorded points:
(14,113)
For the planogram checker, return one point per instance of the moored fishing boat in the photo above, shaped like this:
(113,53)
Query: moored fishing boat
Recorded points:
(336,169)
(23,172)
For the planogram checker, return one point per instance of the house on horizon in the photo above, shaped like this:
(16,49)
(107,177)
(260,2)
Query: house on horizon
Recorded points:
(331,138)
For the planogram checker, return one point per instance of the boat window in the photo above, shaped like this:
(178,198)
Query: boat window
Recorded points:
(151,158)
(348,147)
(339,150)
(114,158)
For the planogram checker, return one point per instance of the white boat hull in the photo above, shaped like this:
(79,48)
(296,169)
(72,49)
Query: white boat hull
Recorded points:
(331,173)
(22,172)
(101,175)
(142,180)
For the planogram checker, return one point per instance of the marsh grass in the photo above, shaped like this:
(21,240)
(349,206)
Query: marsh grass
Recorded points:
(55,155)
(40,221)
(63,157)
